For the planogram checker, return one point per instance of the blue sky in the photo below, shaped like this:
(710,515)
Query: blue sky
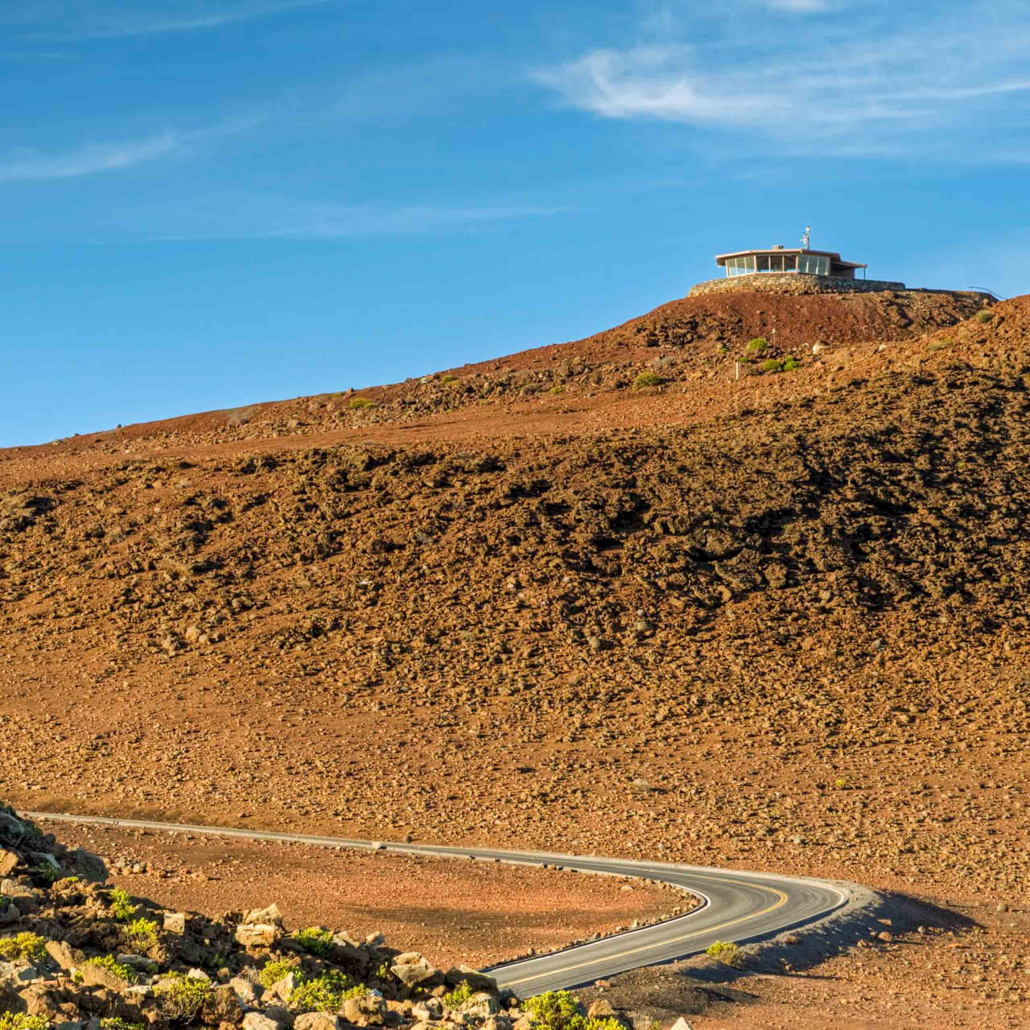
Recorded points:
(204,204)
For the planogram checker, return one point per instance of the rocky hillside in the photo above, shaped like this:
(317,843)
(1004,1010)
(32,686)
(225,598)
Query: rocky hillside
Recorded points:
(683,345)
(779,619)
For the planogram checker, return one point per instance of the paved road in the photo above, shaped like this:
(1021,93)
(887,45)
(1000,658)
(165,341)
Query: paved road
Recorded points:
(737,906)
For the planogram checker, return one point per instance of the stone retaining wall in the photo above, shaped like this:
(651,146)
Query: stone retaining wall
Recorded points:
(793,282)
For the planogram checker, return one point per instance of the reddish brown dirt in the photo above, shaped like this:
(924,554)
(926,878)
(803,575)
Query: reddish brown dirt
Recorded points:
(779,621)
(918,977)
(450,910)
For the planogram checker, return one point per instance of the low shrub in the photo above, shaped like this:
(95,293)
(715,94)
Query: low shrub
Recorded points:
(28,946)
(117,1023)
(141,935)
(461,995)
(790,364)
(46,872)
(557,389)
(23,1021)
(315,940)
(984,316)
(557,1010)
(325,993)
(183,996)
(275,969)
(757,345)
(110,963)
(122,906)
(726,952)
(771,365)
(360,402)
(647,379)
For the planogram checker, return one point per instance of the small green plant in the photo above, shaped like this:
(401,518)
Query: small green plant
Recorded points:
(121,905)
(46,872)
(646,380)
(29,946)
(726,952)
(325,993)
(559,1010)
(183,996)
(112,965)
(447,380)
(984,316)
(117,1023)
(557,389)
(461,995)
(23,1021)
(757,345)
(722,349)
(770,365)
(275,969)
(315,939)
(790,364)
(383,971)
(141,935)
(360,402)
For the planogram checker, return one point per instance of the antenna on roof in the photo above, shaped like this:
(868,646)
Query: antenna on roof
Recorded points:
(807,238)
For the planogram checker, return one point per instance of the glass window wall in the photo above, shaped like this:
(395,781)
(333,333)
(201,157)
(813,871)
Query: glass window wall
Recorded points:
(814,264)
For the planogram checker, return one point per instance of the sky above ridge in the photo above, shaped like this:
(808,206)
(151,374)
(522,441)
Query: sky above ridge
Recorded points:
(206,204)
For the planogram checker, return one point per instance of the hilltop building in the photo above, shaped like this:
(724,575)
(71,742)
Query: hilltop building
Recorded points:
(781,259)
(792,270)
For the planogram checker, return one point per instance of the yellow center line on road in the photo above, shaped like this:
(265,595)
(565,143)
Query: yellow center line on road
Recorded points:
(675,940)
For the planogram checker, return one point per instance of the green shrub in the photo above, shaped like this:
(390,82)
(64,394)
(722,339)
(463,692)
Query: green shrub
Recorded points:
(46,872)
(29,946)
(984,316)
(275,969)
(790,364)
(121,905)
(726,952)
(141,935)
(110,963)
(557,1010)
(447,380)
(360,402)
(22,1021)
(557,389)
(757,345)
(459,996)
(771,365)
(117,1023)
(315,940)
(647,379)
(183,996)
(325,993)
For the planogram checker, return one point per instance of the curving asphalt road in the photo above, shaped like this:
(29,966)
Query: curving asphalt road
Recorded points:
(736,906)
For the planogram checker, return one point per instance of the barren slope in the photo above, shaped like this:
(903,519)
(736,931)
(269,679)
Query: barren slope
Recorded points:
(780,620)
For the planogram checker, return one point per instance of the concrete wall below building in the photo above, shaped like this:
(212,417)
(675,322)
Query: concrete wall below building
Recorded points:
(793,282)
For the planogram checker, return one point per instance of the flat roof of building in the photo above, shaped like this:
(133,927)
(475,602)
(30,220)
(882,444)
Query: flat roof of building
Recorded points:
(835,258)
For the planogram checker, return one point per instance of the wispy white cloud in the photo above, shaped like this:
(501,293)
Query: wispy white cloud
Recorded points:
(797,6)
(855,88)
(26,163)
(72,22)
(263,217)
